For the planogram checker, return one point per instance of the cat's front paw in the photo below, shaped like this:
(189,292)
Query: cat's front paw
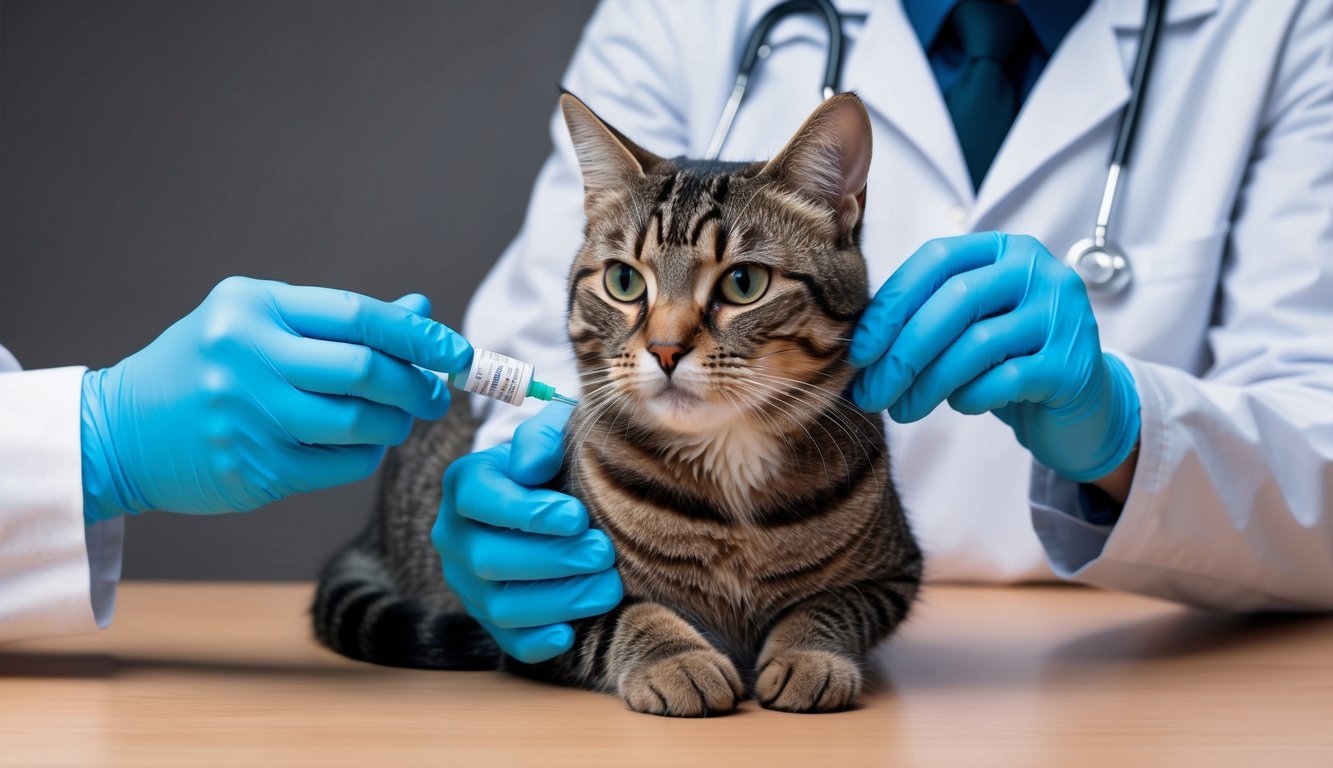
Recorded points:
(807,681)
(690,684)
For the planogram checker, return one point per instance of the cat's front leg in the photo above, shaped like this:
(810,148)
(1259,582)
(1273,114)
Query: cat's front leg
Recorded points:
(661,665)
(811,659)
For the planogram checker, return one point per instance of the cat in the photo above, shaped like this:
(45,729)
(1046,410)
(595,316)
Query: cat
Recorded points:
(761,542)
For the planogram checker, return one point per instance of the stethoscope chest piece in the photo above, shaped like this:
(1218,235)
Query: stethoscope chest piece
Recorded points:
(1102,266)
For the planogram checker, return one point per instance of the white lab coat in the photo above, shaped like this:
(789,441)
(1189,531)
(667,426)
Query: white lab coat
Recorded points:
(1226,213)
(56,576)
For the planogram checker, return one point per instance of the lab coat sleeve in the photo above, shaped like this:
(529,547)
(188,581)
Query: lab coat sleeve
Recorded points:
(57,576)
(1231,505)
(623,70)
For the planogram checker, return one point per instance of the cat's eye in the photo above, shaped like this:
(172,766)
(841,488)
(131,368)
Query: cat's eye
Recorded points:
(624,282)
(744,284)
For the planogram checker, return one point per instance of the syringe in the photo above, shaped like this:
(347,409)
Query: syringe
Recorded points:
(503,378)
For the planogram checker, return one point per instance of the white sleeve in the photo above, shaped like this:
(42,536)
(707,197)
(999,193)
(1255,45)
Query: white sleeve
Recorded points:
(622,70)
(1231,505)
(57,576)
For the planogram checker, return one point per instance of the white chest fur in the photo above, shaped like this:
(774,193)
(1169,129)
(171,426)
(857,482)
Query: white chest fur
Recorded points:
(735,459)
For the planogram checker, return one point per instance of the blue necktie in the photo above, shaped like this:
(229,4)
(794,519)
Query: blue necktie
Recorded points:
(983,101)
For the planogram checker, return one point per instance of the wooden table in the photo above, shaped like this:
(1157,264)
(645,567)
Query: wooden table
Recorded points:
(226,674)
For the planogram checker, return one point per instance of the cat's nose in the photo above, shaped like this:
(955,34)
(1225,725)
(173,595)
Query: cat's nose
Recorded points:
(667,354)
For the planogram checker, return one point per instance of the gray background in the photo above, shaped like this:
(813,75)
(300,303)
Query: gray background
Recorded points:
(150,148)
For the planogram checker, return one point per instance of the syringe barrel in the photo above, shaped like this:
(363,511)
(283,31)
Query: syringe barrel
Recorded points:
(496,376)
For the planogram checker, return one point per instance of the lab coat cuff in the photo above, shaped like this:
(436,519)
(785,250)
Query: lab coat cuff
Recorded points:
(46,582)
(1071,540)
(106,545)
(1079,546)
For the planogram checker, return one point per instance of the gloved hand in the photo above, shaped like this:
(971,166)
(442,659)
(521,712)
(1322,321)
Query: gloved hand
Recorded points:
(994,322)
(522,559)
(264,390)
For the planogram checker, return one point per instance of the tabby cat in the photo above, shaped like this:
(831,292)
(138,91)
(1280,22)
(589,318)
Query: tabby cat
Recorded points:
(758,534)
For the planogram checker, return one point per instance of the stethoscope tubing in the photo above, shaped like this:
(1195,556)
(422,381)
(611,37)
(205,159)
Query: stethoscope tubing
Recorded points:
(755,43)
(1103,264)
(1129,119)
(1115,272)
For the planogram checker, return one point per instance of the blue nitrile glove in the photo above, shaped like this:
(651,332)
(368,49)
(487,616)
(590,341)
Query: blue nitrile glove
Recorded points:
(994,322)
(522,559)
(264,390)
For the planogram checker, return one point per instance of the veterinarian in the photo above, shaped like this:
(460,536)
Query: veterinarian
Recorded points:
(265,390)
(1165,429)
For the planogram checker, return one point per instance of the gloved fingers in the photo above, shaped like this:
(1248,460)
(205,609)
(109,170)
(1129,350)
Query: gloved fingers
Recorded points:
(531,645)
(339,368)
(333,315)
(495,554)
(875,388)
(961,301)
(326,466)
(478,487)
(327,420)
(511,604)
(984,345)
(1029,379)
(912,284)
(415,303)
(539,445)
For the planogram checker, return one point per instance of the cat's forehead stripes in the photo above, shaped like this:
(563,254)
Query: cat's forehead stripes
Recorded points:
(689,198)
(678,203)
(688,201)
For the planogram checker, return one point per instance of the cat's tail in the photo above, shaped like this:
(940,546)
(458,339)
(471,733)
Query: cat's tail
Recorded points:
(383,598)
(359,612)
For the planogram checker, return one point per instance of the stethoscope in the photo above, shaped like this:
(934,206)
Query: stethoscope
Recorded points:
(1101,263)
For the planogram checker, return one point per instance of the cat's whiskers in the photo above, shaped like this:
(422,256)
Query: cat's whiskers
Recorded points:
(601,382)
(841,418)
(838,415)
(757,403)
(743,403)
(785,380)
(591,411)
(800,422)
(598,400)
(783,351)
(598,389)
(597,395)
(572,367)
(792,400)
(707,456)
(606,437)
(793,389)
(831,398)
(791,351)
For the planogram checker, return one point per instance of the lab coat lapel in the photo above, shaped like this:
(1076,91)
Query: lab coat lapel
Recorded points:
(1084,85)
(888,69)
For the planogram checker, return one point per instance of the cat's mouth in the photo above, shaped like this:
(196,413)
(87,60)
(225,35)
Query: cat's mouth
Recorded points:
(679,409)
(674,394)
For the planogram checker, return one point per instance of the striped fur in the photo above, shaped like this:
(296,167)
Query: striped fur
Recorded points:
(758,534)
(382,599)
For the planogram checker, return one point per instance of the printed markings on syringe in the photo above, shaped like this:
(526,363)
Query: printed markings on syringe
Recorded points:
(503,378)
(499,376)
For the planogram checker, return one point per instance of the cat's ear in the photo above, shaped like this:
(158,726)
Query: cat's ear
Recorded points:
(609,160)
(829,158)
